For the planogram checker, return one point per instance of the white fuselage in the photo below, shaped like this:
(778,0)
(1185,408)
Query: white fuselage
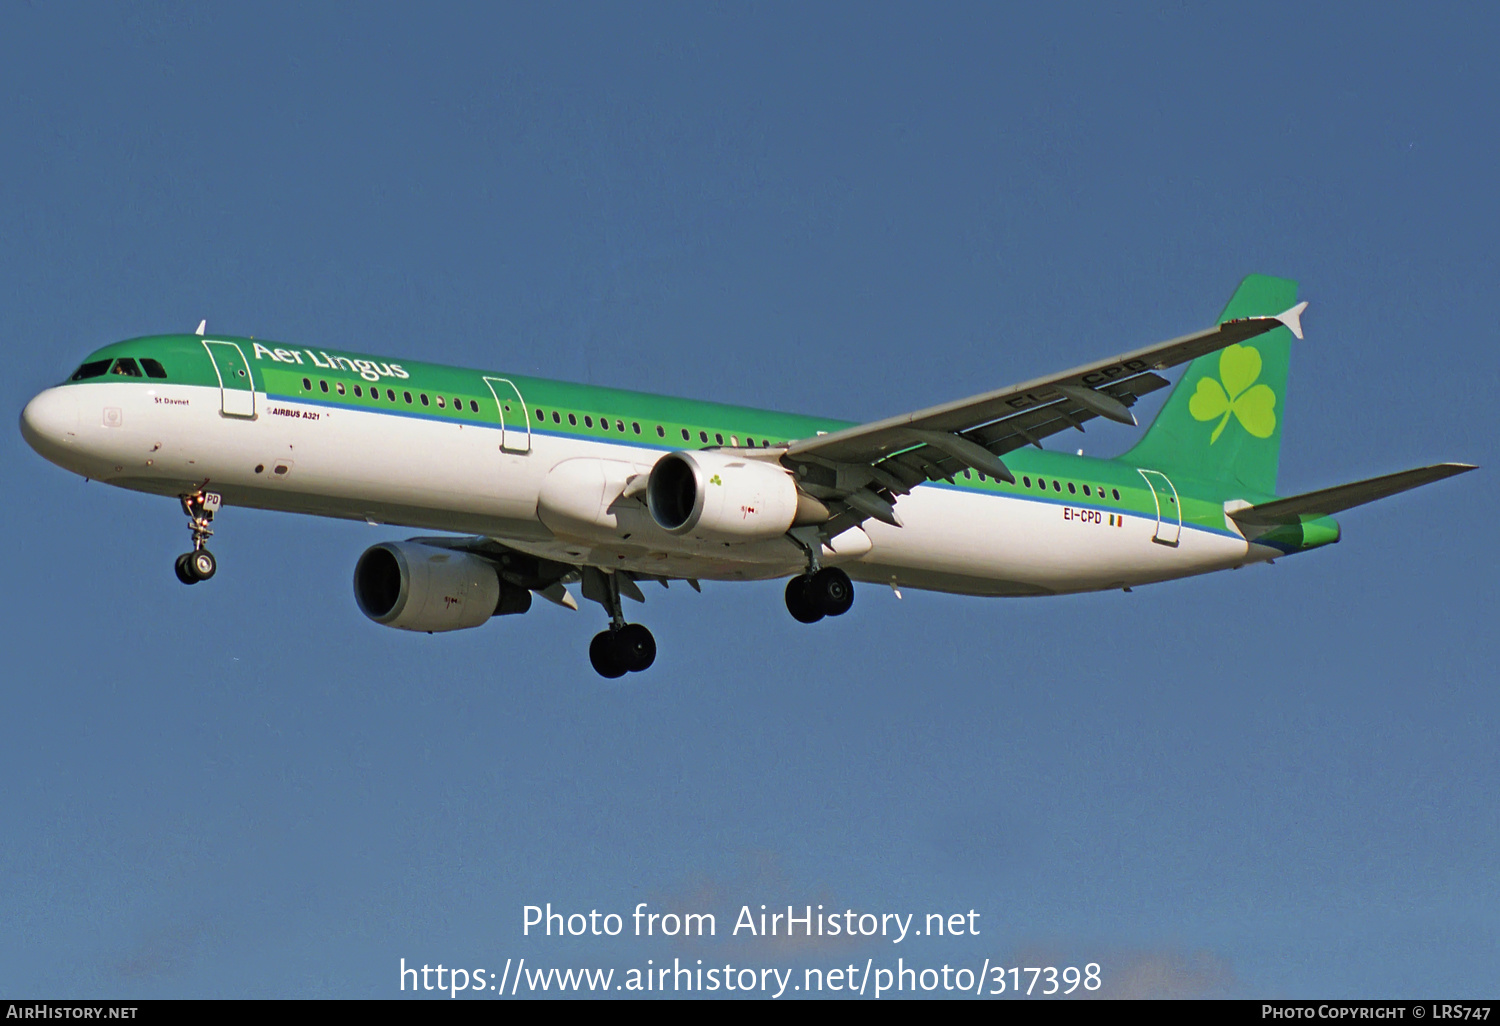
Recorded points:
(443,476)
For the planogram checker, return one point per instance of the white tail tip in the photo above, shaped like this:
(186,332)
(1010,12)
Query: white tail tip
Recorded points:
(203,324)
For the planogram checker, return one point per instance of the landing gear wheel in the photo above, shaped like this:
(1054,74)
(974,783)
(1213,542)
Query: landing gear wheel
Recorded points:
(800,602)
(635,647)
(606,657)
(201,564)
(622,650)
(831,591)
(183,573)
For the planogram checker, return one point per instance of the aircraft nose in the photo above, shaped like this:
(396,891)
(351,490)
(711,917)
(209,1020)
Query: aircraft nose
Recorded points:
(50,420)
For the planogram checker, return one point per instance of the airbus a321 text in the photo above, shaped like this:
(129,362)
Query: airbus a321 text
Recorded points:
(541,484)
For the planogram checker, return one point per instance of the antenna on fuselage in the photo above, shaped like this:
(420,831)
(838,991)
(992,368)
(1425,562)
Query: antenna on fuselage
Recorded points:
(202,325)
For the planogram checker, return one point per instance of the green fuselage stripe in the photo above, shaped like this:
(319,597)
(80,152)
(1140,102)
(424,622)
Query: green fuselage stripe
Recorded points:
(288,381)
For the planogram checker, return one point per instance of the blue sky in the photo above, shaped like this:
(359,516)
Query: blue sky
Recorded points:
(1276,782)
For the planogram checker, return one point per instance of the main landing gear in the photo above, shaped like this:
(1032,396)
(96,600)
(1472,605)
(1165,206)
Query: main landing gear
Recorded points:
(820,591)
(825,592)
(199,565)
(624,647)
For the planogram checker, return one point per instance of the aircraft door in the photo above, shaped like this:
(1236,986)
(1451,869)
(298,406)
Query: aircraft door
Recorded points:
(1168,508)
(515,420)
(236,386)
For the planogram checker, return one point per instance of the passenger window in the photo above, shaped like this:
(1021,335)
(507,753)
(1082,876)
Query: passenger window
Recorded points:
(588,421)
(440,402)
(620,426)
(126,367)
(635,426)
(981,476)
(152,368)
(1085,489)
(424,398)
(359,392)
(473,406)
(685,436)
(556,417)
(323,384)
(966,474)
(1116,493)
(1027,480)
(661,432)
(539,414)
(339,388)
(390,394)
(573,419)
(703,437)
(306,385)
(407,397)
(90,370)
(1055,486)
(750,442)
(1072,490)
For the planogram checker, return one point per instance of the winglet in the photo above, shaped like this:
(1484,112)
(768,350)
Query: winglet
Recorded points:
(1293,318)
(202,325)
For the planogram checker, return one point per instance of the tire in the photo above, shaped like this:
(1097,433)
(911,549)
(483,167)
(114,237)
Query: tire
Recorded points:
(799,601)
(183,573)
(605,656)
(635,647)
(201,564)
(832,591)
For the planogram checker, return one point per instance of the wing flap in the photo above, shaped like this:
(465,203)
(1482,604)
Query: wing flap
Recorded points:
(1328,501)
(942,459)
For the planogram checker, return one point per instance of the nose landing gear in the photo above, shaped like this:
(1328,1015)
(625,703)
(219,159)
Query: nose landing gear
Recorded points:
(200,564)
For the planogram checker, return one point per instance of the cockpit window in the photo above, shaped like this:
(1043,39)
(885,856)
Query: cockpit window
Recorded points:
(126,367)
(90,370)
(153,368)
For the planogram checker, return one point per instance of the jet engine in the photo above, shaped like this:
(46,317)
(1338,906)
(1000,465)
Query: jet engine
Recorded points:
(416,587)
(714,495)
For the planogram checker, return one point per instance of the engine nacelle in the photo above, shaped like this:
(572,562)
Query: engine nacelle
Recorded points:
(708,494)
(425,588)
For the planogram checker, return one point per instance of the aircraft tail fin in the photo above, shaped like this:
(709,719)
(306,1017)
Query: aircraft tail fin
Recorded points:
(1222,421)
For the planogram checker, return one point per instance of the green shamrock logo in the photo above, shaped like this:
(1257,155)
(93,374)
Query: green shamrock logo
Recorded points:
(1255,406)
(715,480)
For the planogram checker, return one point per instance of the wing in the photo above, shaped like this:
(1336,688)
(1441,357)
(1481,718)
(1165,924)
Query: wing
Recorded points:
(545,577)
(862,470)
(549,578)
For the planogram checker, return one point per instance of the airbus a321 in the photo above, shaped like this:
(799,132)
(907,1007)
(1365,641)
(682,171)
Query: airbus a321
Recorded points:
(539,484)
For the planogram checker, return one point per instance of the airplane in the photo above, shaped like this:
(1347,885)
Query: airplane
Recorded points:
(542,484)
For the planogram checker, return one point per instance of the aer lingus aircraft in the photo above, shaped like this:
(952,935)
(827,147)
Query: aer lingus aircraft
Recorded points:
(552,483)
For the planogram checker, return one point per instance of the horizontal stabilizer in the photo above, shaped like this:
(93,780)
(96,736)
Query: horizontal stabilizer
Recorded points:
(1341,497)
